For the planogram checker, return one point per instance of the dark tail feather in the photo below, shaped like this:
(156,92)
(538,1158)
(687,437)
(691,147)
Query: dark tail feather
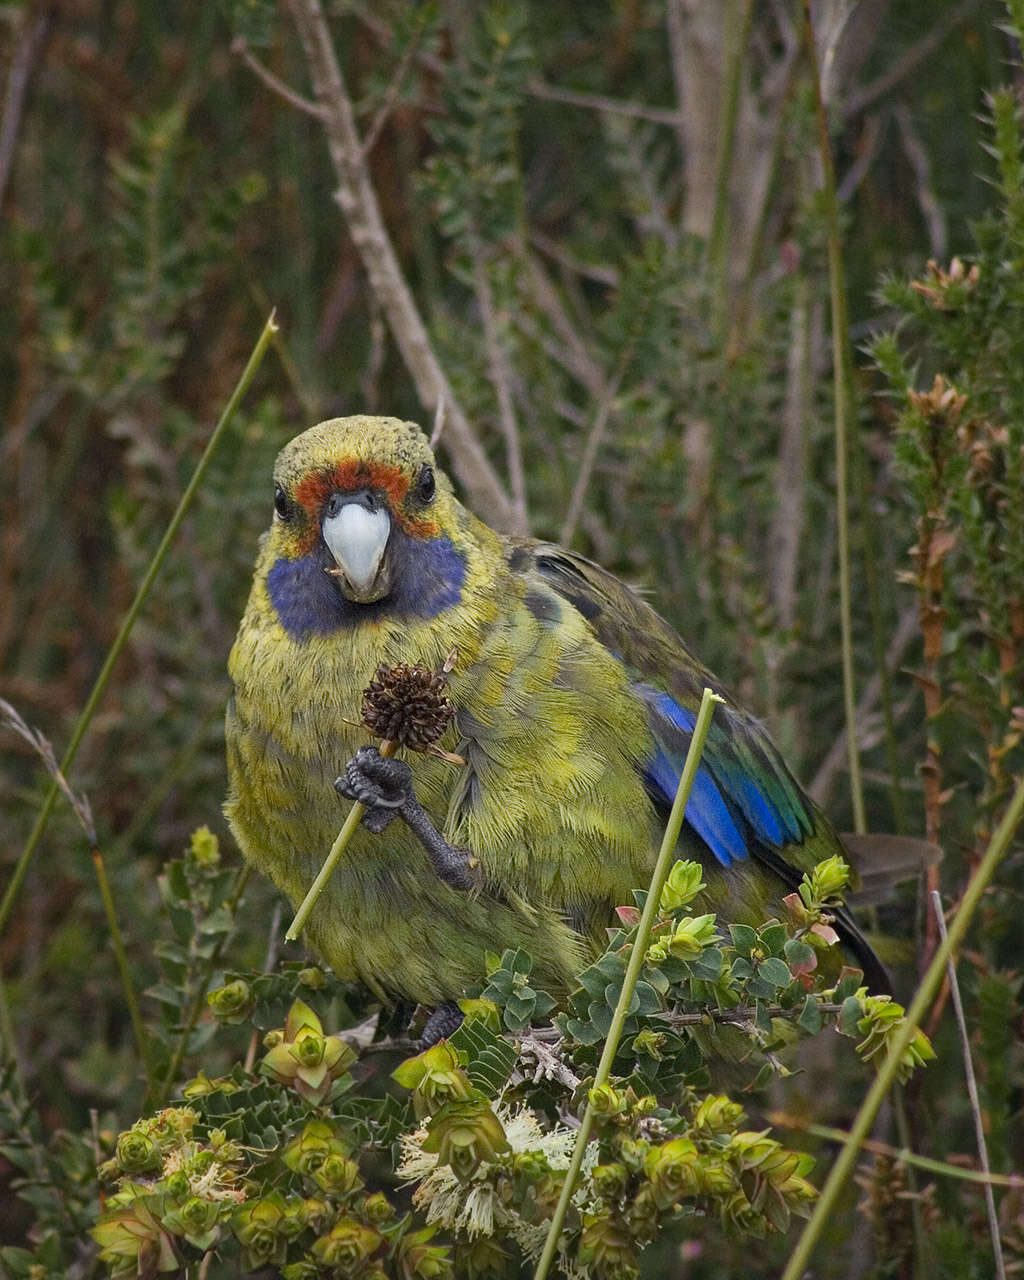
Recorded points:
(876,976)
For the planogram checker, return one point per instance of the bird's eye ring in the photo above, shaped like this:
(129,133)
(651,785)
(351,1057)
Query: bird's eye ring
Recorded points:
(426,485)
(281,504)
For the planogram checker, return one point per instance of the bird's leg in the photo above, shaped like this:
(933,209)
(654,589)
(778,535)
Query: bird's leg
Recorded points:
(384,785)
(443,1022)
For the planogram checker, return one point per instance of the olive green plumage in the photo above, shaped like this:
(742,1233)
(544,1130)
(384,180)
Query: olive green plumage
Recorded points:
(572,703)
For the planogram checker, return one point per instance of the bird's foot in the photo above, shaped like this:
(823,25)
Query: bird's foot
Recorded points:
(384,785)
(443,1022)
(381,783)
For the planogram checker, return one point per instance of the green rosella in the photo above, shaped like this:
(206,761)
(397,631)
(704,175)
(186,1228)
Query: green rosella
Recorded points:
(574,704)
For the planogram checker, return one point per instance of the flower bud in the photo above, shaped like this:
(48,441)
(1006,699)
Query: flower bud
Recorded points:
(347,1244)
(137,1152)
(682,886)
(338,1176)
(606,1100)
(691,935)
(717,1114)
(609,1180)
(673,1171)
(378,1208)
(465,1134)
(231,1003)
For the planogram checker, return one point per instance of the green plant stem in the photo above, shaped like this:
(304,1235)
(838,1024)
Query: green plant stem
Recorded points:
(355,815)
(99,688)
(841,385)
(8,1045)
(637,957)
(738,23)
(903,1155)
(843,1166)
(972,1093)
(124,968)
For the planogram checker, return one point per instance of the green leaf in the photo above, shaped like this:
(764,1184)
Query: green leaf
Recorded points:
(810,1019)
(775,971)
(744,938)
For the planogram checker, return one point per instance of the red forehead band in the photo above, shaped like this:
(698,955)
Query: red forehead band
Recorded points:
(353,474)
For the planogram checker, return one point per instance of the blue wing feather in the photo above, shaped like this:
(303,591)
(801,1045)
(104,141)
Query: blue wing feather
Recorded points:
(728,804)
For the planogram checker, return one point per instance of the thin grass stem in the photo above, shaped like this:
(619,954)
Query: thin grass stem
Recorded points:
(637,957)
(124,968)
(972,1093)
(341,843)
(842,394)
(141,595)
(887,1073)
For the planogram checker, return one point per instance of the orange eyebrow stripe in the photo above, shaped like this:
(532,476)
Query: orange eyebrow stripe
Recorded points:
(348,476)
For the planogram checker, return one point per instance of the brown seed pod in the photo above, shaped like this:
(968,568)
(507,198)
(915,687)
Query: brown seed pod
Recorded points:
(407,705)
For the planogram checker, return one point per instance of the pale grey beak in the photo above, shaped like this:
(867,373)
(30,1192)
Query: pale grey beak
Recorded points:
(357,538)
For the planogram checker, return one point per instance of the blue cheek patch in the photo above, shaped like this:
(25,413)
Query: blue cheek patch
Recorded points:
(428,578)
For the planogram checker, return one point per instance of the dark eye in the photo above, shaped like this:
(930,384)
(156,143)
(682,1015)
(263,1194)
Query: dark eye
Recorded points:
(425,485)
(281,504)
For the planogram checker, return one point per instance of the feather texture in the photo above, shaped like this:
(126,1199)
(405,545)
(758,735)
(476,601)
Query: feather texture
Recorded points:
(574,702)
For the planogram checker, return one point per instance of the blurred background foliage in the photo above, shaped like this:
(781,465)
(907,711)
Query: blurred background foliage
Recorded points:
(630,304)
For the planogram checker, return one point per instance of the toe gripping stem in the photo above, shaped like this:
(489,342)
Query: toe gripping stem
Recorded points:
(385,786)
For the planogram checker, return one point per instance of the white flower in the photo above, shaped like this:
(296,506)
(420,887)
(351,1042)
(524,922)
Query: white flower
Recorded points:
(476,1209)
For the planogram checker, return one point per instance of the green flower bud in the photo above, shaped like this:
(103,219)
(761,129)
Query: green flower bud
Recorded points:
(645,1105)
(673,1171)
(436,1077)
(609,1180)
(294,1221)
(197,1220)
(465,1134)
(530,1165)
(316,1212)
(137,1152)
(716,1177)
(258,1228)
(346,1245)
(606,1100)
(225,1151)
(418,1260)
(377,1208)
(606,1244)
(304,1058)
(649,1041)
(828,879)
(642,1215)
(485,1011)
(200,1214)
(177,1184)
(231,1003)
(301,1271)
(204,848)
(682,886)
(691,935)
(318,1140)
(131,1238)
(338,1176)
(633,1152)
(717,1114)
(313,977)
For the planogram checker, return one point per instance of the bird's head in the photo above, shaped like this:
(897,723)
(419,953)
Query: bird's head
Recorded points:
(363,527)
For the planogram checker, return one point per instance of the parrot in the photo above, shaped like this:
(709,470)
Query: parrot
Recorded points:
(574,705)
